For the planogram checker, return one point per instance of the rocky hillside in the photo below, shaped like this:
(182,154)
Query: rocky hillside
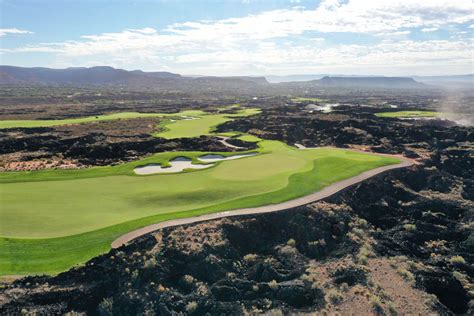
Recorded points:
(105,76)
(111,77)
(370,82)
(398,243)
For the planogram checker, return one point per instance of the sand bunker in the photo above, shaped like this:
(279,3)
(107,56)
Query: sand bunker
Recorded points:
(181,163)
(177,165)
(188,118)
(214,158)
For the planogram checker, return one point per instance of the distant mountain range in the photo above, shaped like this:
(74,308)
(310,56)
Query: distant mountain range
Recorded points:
(294,78)
(112,77)
(10,75)
(459,81)
(291,78)
(369,82)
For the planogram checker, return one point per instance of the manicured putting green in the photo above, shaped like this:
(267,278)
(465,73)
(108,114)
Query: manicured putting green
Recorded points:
(401,114)
(249,138)
(54,219)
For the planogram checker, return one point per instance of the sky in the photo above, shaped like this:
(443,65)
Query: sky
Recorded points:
(249,37)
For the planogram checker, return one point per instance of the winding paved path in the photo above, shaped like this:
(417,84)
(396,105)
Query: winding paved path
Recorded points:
(223,141)
(316,196)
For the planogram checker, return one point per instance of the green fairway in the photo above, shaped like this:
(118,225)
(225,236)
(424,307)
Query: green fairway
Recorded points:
(49,123)
(180,128)
(97,205)
(54,219)
(77,201)
(401,114)
(202,125)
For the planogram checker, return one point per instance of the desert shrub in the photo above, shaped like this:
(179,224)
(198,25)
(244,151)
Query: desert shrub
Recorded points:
(361,259)
(150,263)
(362,223)
(191,306)
(407,275)
(417,266)
(334,296)
(365,252)
(358,232)
(344,287)
(202,289)
(409,227)
(436,245)
(274,312)
(273,284)
(251,257)
(376,303)
(457,260)
(135,275)
(188,279)
(392,310)
(74,313)
(288,250)
(106,307)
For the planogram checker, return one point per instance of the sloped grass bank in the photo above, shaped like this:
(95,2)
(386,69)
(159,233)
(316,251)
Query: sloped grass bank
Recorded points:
(22,254)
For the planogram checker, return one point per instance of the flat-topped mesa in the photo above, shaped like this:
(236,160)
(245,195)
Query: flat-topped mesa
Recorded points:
(370,82)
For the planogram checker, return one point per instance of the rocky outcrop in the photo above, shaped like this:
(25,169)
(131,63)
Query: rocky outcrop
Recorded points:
(401,242)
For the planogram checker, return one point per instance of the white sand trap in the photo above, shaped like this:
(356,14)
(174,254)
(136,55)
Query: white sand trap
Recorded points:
(188,118)
(177,165)
(214,158)
(326,108)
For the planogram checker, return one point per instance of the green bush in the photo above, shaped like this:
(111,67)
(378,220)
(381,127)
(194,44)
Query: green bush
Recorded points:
(457,260)
(334,296)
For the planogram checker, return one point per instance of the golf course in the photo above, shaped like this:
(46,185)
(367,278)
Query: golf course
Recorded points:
(187,129)
(52,219)
(408,114)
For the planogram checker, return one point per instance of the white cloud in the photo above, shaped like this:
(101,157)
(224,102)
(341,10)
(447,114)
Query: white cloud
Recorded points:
(281,39)
(429,29)
(389,34)
(4,32)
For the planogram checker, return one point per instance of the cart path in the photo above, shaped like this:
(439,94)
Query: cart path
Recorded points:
(223,141)
(313,197)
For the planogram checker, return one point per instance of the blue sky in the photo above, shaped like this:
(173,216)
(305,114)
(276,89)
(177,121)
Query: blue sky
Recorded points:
(383,37)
